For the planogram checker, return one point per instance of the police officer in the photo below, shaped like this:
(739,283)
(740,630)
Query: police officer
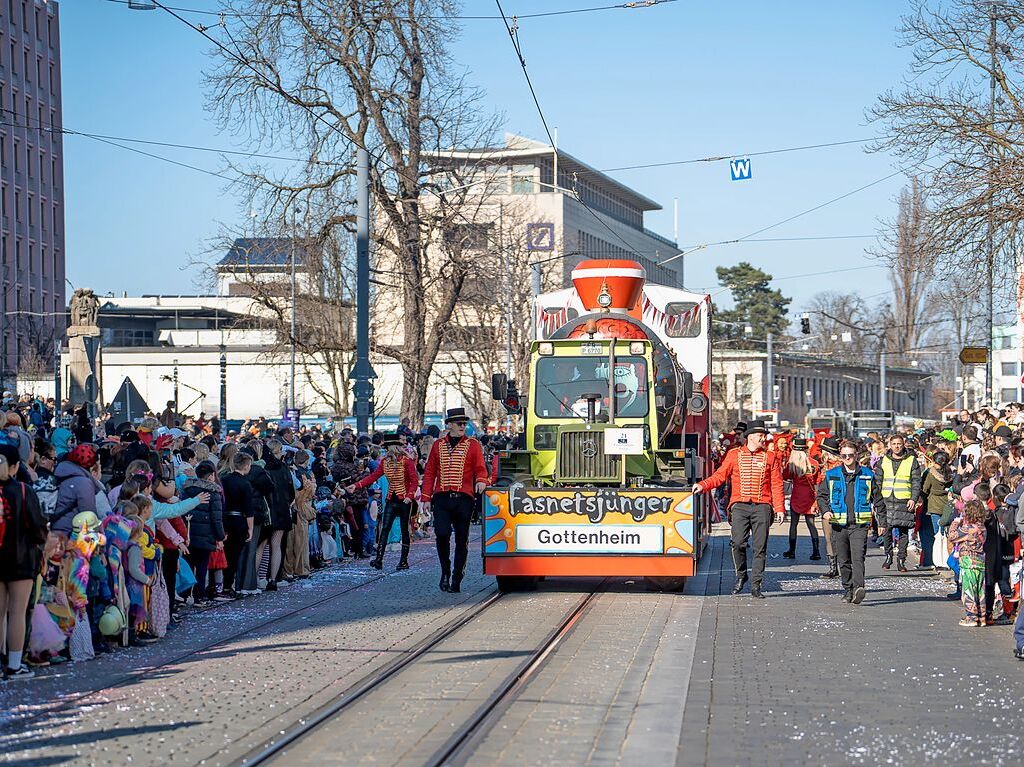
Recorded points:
(846,496)
(899,478)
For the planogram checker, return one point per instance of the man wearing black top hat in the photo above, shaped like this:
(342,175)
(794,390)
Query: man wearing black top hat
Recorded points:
(454,475)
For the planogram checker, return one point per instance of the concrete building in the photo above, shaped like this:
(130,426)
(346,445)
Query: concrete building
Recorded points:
(739,382)
(31,182)
(586,212)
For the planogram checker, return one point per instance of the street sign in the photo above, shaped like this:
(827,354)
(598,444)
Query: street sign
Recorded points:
(974,355)
(291,418)
(540,237)
(739,169)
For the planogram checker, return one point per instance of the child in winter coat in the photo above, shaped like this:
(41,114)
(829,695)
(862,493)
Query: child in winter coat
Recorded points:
(967,535)
(140,572)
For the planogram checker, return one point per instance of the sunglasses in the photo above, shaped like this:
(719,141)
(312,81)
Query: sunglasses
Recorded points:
(847,455)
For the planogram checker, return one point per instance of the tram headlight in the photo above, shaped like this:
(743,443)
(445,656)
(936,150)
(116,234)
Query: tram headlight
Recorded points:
(636,347)
(697,404)
(546,348)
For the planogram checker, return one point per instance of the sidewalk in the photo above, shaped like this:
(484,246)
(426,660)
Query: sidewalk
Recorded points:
(804,678)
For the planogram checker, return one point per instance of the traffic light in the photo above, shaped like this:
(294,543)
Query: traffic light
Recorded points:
(511,401)
(805,324)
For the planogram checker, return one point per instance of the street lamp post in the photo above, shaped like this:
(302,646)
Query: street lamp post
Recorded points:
(295,231)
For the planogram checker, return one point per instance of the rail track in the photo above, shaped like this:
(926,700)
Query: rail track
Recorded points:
(458,747)
(67,702)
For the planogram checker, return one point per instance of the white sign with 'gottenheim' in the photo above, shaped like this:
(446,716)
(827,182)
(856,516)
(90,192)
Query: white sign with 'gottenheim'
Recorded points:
(590,539)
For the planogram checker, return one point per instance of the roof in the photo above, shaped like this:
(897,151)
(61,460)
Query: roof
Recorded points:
(521,147)
(263,251)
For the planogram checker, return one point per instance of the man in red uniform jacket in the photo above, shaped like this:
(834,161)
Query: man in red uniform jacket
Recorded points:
(455,473)
(755,476)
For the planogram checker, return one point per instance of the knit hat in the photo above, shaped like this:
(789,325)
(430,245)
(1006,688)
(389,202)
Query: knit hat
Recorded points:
(9,453)
(84,455)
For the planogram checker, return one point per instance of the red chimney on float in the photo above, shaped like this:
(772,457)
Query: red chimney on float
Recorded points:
(609,284)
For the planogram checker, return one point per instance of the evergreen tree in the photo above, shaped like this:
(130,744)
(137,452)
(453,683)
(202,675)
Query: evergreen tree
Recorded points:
(754,304)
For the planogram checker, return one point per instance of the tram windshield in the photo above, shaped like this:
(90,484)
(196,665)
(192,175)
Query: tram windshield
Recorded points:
(563,384)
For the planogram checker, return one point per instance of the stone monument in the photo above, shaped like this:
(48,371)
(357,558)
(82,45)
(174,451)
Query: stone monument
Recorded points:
(84,360)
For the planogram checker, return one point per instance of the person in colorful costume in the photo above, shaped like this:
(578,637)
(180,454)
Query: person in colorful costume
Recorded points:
(403,482)
(454,474)
(756,494)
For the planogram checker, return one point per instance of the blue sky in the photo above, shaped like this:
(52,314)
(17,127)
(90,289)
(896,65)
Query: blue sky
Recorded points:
(677,81)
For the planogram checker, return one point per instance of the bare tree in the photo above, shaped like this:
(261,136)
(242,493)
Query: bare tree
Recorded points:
(837,323)
(966,140)
(325,76)
(907,247)
(323,307)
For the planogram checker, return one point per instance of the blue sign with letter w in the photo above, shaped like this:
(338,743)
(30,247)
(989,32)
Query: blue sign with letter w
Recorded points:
(739,168)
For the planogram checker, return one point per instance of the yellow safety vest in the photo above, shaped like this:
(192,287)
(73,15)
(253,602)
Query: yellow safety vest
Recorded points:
(896,478)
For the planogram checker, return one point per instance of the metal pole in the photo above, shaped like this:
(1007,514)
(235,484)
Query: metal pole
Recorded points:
(554,152)
(990,259)
(362,371)
(535,269)
(223,384)
(175,387)
(769,396)
(291,385)
(508,293)
(882,398)
(56,378)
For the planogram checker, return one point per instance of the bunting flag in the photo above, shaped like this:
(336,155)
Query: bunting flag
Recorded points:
(677,325)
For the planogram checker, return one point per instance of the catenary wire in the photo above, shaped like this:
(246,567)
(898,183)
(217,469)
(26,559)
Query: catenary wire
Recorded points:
(638,5)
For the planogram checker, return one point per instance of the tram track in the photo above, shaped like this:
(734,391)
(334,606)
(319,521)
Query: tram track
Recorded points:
(67,702)
(459,745)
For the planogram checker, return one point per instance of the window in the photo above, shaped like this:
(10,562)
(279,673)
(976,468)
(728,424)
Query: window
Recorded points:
(1009,368)
(127,337)
(683,320)
(523,179)
(1008,395)
(563,382)
(469,236)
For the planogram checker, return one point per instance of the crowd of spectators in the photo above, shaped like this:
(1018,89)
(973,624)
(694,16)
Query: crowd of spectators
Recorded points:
(112,534)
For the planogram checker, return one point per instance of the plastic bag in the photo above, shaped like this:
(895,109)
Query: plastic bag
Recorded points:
(46,636)
(329,546)
(185,578)
(80,642)
(218,560)
(159,605)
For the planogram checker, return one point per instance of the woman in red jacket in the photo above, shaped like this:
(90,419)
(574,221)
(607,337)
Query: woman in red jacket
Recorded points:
(403,483)
(805,474)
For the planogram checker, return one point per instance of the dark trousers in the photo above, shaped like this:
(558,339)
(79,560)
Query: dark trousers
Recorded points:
(850,545)
(237,529)
(169,564)
(199,559)
(247,578)
(794,525)
(750,518)
(996,575)
(929,524)
(394,510)
(901,553)
(452,512)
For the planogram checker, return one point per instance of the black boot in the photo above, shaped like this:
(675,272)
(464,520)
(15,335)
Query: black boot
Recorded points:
(741,581)
(901,565)
(848,595)
(445,584)
(833,568)
(378,561)
(403,563)
(790,553)
(887,564)
(815,551)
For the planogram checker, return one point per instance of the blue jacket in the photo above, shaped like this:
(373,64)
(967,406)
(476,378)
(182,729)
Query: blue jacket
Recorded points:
(833,491)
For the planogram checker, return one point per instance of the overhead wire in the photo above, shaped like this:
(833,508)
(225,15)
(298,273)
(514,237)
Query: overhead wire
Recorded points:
(638,4)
